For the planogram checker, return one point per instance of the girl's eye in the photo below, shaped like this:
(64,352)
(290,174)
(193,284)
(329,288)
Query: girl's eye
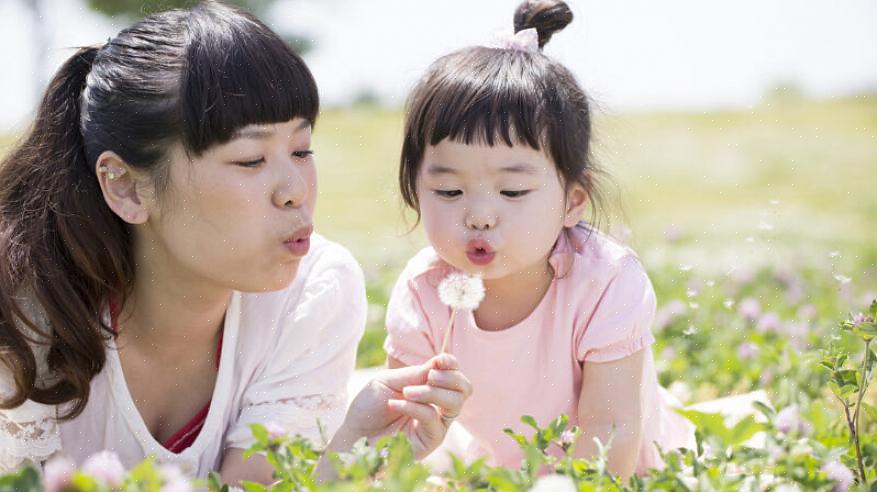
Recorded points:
(448,193)
(514,193)
(303,154)
(253,163)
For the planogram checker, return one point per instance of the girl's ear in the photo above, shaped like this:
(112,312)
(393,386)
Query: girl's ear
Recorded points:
(576,202)
(119,188)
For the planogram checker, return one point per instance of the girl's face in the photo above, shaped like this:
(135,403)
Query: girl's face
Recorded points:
(496,211)
(240,215)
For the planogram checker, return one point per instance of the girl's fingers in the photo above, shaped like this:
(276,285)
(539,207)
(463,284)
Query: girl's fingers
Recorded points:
(450,402)
(444,361)
(452,380)
(425,414)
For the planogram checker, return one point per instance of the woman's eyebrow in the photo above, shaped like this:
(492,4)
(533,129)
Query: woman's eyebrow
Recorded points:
(252,132)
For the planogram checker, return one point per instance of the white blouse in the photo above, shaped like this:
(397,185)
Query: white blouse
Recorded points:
(286,358)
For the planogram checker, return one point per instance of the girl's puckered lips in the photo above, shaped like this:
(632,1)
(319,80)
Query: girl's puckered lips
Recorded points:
(299,243)
(480,252)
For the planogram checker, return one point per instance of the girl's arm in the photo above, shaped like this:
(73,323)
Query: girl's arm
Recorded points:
(611,405)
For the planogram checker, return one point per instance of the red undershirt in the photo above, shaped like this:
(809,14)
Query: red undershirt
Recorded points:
(184,437)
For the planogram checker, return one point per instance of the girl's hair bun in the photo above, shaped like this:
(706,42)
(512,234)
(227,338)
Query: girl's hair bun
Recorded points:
(547,16)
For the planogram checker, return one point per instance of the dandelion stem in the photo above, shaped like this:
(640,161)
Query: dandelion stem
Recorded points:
(448,331)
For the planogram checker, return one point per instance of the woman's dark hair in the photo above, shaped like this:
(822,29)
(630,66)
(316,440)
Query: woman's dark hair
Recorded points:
(191,77)
(495,95)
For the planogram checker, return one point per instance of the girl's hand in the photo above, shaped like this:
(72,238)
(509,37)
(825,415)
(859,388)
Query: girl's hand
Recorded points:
(421,401)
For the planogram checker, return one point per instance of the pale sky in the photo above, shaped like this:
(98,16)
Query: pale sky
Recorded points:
(627,54)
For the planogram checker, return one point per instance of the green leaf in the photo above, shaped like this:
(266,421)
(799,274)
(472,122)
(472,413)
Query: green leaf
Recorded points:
(521,440)
(260,432)
(871,410)
(253,486)
(529,420)
(744,429)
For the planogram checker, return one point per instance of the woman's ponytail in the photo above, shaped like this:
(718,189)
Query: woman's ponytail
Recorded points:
(54,234)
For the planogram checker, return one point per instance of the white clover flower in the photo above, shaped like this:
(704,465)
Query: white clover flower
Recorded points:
(461,291)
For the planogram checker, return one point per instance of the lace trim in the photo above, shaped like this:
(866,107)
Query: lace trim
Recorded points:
(34,440)
(311,403)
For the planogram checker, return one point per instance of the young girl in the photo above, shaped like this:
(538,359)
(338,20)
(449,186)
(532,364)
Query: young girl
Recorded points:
(496,163)
(161,287)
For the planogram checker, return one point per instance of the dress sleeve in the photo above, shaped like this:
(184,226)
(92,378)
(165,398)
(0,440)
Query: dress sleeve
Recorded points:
(620,324)
(409,338)
(307,393)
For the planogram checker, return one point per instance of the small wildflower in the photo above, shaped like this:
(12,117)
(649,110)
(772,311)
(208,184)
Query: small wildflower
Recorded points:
(807,311)
(747,350)
(842,476)
(567,437)
(749,309)
(668,313)
(57,474)
(861,319)
(843,279)
(789,421)
(105,467)
(275,430)
(769,322)
(729,303)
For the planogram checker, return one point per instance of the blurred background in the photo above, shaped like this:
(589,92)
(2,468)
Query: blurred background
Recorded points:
(739,134)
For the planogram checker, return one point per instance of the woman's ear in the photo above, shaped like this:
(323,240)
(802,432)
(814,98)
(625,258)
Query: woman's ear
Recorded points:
(119,187)
(576,202)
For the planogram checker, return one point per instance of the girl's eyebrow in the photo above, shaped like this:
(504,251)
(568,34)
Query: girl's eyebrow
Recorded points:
(519,169)
(438,169)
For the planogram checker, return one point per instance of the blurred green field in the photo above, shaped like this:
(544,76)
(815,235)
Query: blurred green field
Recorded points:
(790,181)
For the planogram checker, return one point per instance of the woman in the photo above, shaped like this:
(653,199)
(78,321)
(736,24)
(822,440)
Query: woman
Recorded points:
(161,287)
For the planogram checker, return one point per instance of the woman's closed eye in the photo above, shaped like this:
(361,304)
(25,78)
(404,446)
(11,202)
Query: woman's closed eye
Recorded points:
(448,193)
(514,193)
(250,163)
(298,154)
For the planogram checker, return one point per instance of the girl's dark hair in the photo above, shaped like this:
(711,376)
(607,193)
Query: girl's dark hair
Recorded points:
(495,95)
(183,76)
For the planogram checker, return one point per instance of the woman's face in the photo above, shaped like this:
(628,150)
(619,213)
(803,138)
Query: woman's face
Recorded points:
(240,215)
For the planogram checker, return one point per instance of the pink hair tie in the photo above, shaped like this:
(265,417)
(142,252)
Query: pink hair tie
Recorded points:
(523,40)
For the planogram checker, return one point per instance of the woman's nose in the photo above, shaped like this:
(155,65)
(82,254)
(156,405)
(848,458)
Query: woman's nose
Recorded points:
(292,190)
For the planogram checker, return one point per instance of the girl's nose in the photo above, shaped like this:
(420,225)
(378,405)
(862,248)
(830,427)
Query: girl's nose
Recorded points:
(292,189)
(480,220)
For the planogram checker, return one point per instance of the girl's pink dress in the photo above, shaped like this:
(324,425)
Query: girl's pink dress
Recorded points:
(599,308)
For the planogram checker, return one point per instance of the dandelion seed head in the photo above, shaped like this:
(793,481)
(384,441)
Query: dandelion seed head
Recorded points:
(461,291)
